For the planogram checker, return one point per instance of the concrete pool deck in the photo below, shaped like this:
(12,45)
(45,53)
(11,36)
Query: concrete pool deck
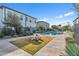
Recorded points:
(55,47)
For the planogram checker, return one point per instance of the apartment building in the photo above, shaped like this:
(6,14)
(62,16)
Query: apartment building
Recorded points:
(26,20)
(76,30)
(42,24)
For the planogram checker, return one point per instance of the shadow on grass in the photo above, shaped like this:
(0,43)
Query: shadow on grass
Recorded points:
(31,46)
(23,42)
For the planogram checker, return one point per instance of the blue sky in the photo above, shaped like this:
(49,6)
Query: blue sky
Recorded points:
(53,13)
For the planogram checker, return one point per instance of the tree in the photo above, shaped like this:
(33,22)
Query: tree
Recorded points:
(60,27)
(40,29)
(76,5)
(66,27)
(7,31)
(13,20)
(49,29)
(55,27)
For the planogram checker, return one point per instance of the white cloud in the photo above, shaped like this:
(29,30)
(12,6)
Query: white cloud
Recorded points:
(65,15)
(44,19)
(60,16)
(69,14)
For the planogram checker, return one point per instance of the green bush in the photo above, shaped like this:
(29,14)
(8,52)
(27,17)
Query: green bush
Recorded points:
(69,40)
(1,36)
(71,47)
(8,31)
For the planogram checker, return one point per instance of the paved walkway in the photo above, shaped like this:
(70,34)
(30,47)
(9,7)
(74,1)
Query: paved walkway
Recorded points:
(8,49)
(55,47)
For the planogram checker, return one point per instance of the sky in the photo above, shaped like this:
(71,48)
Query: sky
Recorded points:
(53,13)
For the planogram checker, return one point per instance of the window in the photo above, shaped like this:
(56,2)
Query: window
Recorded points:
(9,12)
(26,19)
(34,21)
(30,20)
(21,17)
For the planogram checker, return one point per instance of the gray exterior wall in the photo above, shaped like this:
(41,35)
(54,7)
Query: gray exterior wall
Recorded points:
(1,18)
(76,30)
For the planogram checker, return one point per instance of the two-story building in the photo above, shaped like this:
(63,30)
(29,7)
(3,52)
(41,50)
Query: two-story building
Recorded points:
(43,24)
(26,20)
(76,30)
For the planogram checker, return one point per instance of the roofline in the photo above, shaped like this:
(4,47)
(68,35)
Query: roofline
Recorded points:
(17,11)
(43,21)
(76,19)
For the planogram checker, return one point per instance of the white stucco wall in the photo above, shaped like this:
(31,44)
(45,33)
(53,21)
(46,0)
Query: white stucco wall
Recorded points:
(42,24)
(1,18)
(28,23)
(32,23)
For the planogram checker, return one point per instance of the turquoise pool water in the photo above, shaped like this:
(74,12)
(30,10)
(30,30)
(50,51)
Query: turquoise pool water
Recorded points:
(52,33)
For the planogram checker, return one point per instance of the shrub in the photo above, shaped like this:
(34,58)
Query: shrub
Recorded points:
(1,36)
(8,31)
(71,47)
(70,40)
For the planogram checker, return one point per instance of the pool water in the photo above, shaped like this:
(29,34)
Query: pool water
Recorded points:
(52,33)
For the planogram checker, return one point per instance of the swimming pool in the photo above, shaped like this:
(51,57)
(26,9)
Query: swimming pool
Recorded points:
(52,33)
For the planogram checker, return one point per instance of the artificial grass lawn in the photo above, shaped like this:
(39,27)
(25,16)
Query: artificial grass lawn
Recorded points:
(32,47)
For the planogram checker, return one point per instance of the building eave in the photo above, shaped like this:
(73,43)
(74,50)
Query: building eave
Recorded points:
(42,21)
(76,19)
(17,11)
